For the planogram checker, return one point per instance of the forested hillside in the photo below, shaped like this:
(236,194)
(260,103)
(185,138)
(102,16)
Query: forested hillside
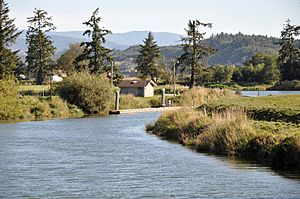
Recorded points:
(232,49)
(235,49)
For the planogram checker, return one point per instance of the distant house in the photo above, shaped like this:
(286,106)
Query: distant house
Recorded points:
(137,87)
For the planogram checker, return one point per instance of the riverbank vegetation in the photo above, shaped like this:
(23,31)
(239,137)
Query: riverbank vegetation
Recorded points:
(16,107)
(92,93)
(232,132)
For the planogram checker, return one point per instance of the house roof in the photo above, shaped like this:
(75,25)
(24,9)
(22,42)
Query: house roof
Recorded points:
(135,83)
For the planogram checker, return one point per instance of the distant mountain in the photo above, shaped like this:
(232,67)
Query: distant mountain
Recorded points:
(118,41)
(137,37)
(237,48)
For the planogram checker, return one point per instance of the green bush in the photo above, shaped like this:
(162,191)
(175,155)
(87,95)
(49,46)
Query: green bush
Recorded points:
(42,108)
(93,94)
(9,100)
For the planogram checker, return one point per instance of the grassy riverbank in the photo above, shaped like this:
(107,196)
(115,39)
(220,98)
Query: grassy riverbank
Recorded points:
(232,132)
(16,107)
(260,128)
(39,108)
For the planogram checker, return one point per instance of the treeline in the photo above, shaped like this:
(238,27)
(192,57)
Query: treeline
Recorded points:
(193,60)
(39,64)
(240,58)
(232,48)
(89,66)
(260,69)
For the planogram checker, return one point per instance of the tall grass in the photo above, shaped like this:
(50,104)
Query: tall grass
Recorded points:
(228,131)
(130,102)
(181,125)
(198,96)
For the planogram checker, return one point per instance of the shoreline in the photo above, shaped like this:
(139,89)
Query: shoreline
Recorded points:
(231,133)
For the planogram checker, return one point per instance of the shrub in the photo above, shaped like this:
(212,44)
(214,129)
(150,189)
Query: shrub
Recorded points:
(41,108)
(9,100)
(93,94)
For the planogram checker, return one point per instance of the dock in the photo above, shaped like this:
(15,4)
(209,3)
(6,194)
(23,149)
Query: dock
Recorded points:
(142,110)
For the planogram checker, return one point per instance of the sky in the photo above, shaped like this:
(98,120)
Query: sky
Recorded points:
(260,17)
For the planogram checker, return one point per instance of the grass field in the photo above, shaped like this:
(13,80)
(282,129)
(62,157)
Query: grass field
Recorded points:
(289,102)
(284,108)
(34,90)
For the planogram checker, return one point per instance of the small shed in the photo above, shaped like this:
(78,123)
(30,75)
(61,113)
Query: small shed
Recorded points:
(137,87)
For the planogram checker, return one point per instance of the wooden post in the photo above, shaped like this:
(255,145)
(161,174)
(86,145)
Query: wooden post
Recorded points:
(174,78)
(51,79)
(117,101)
(163,97)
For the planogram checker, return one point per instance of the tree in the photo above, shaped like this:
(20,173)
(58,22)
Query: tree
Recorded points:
(8,36)
(40,46)
(67,59)
(97,56)
(147,60)
(289,55)
(222,73)
(194,50)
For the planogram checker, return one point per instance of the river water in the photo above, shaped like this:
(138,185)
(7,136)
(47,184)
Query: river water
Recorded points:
(113,157)
(267,93)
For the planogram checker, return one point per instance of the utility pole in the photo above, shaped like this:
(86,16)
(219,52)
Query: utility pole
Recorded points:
(174,76)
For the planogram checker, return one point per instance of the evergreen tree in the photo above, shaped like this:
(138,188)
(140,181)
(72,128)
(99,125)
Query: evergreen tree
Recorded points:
(40,46)
(8,36)
(195,51)
(66,60)
(289,55)
(97,56)
(148,58)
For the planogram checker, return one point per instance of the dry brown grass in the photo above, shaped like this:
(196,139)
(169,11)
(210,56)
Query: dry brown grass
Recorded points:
(198,96)
(227,132)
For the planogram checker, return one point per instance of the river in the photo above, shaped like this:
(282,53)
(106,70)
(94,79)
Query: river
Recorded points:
(113,157)
(267,93)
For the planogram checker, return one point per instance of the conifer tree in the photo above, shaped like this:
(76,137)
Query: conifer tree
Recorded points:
(289,55)
(40,46)
(194,50)
(8,36)
(147,60)
(97,56)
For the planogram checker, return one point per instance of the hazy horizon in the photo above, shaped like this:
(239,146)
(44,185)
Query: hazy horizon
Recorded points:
(233,16)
